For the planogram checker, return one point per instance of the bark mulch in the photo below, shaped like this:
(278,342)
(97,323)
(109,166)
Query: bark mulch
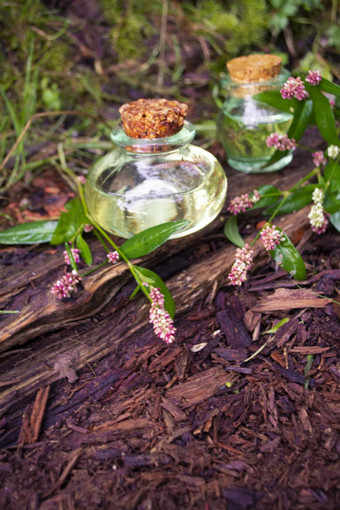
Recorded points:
(97,413)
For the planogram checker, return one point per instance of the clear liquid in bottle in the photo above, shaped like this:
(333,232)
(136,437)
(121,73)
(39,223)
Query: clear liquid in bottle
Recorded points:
(244,125)
(143,191)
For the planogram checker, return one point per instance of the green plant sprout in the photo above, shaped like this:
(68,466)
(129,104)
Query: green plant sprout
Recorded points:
(308,366)
(270,339)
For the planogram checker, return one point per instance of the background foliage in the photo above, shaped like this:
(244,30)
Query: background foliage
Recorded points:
(93,55)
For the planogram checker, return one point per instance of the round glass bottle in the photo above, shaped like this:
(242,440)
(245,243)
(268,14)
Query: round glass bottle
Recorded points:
(144,182)
(244,123)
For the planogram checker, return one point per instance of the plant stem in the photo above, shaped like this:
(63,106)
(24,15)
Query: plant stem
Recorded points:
(315,171)
(121,254)
(320,295)
(101,240)
(335,164)
(95,268)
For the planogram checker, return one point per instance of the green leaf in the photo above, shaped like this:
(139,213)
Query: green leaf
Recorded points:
(297,200)
(84,249)
(336,112)
(276,327)
(332,174)
(14,117)
(301,119)
(333,34)
(302,113)
(307,369)
(148,240)
(329,87)
(276,157)
(269,195)
(335,220)
(135,291)
(71,257)
(308,364)
(231,231)
(215,95)
(69,223)
(153,279)
(332,205)
(274,98)
(323,114)
(331,202)
(286,255)
(29,233)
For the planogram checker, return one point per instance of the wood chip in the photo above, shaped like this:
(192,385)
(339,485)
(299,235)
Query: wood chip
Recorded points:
(174,409)
(311,349)
(199,387)
(70,465)
(287,299)
(32,419)
(138,423)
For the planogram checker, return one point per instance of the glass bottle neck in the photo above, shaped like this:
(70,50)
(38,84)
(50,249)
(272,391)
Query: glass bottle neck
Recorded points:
(246,90)
(151,146)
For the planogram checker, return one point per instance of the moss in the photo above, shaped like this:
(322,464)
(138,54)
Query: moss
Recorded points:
(131,24)
(232,30)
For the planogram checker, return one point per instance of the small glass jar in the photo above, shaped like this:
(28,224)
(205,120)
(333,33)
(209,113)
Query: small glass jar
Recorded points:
(147,181)
(244,123)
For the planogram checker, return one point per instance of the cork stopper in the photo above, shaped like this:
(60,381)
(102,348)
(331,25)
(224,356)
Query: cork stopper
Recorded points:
(153,118)
(254,68)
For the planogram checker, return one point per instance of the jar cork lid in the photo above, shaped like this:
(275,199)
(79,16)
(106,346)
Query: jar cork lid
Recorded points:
(254,68)
(153,118)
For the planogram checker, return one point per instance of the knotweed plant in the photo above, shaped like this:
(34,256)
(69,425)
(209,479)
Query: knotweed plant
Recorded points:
(113,257)
(318,217)
(66,285)
(76,255)
(160,319)
(308,98)
(162,307)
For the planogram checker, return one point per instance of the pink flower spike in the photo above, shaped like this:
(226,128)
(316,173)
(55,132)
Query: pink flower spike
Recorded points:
(88,228)
(240,204)
(319,158)
(67,284)
(322,229)
(270,237)
(243,262)
(318,219)
(81,179)
(294,87)
(112,257)
(314,77)
(256,196)
(272,140)
(243,202)
(281,142)
(75,252)
(162,323)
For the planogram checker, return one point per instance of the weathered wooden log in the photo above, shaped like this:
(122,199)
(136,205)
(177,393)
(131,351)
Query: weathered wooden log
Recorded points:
(41,312)
(64,337)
